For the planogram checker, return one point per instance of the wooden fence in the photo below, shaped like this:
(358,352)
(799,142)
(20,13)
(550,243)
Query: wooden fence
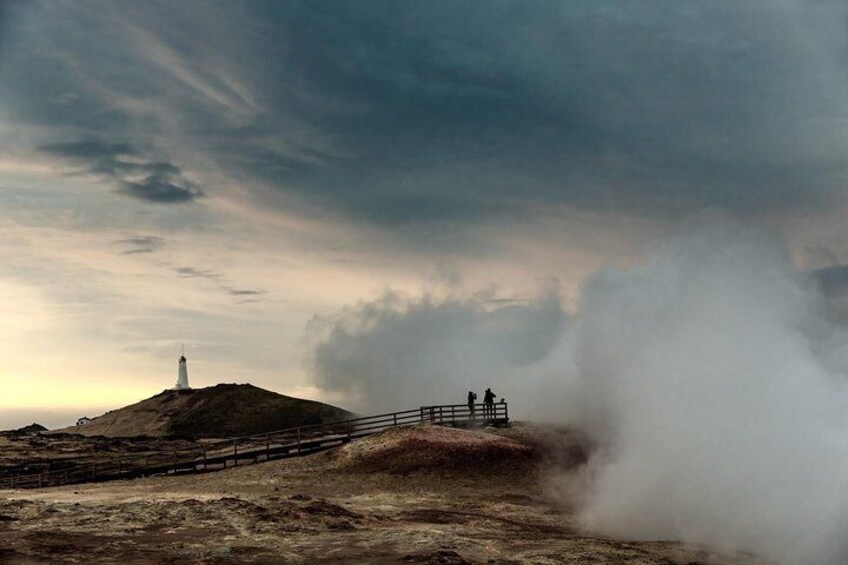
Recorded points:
(292,442)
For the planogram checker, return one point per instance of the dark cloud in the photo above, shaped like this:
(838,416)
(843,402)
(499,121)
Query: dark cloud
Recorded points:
(833,280)
(193,273)
(640,108)
(160,188)
(399,112)
(245,292)
(141,244)
(136,176)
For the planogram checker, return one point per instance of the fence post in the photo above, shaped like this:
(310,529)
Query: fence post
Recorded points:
(235,454)
(267,447)
(204,459)
(422,414)
(298,440)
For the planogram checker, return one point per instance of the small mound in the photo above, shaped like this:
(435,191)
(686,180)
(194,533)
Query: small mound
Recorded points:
(27,430)
(433,449)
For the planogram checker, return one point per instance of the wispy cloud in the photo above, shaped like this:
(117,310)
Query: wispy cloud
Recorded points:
(246,295)
(141,244)
(245,292)
(194,273)
(134,174)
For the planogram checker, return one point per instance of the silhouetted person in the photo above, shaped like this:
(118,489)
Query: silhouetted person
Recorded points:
(472,399)
(489,401)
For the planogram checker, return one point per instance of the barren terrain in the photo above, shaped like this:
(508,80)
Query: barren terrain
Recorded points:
(414,495)
(25,453)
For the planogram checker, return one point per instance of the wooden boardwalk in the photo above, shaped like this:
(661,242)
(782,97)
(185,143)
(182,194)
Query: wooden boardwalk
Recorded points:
(292,442)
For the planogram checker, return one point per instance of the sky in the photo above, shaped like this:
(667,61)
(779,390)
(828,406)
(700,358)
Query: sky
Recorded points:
(228,175)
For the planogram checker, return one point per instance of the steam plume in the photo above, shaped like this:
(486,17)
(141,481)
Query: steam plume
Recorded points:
(401,351)
(709,378)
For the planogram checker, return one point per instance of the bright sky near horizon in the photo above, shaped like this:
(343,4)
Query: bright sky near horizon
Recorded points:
(218,174)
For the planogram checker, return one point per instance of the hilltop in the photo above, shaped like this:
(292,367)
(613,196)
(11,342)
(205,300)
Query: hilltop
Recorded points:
(223,410)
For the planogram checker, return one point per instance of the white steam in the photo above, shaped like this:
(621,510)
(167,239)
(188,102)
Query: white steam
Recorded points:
(399,352)
(705,380)
(709,378)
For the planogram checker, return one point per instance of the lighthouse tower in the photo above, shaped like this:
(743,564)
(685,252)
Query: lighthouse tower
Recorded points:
(182,375)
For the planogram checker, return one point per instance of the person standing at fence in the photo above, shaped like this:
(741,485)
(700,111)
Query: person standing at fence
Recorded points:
(472,399)
(489,401)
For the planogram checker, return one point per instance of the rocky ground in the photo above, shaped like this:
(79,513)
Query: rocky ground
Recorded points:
(418,495)
(35,452)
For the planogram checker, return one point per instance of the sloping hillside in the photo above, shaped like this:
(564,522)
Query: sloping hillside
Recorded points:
(223,410)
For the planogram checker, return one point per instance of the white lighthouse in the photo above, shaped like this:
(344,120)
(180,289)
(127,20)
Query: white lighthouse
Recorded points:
(182,374)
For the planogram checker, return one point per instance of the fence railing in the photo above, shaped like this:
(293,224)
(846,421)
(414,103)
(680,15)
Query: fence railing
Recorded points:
(290,442)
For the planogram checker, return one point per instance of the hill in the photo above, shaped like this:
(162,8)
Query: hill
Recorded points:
(27,430)
(224,410)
